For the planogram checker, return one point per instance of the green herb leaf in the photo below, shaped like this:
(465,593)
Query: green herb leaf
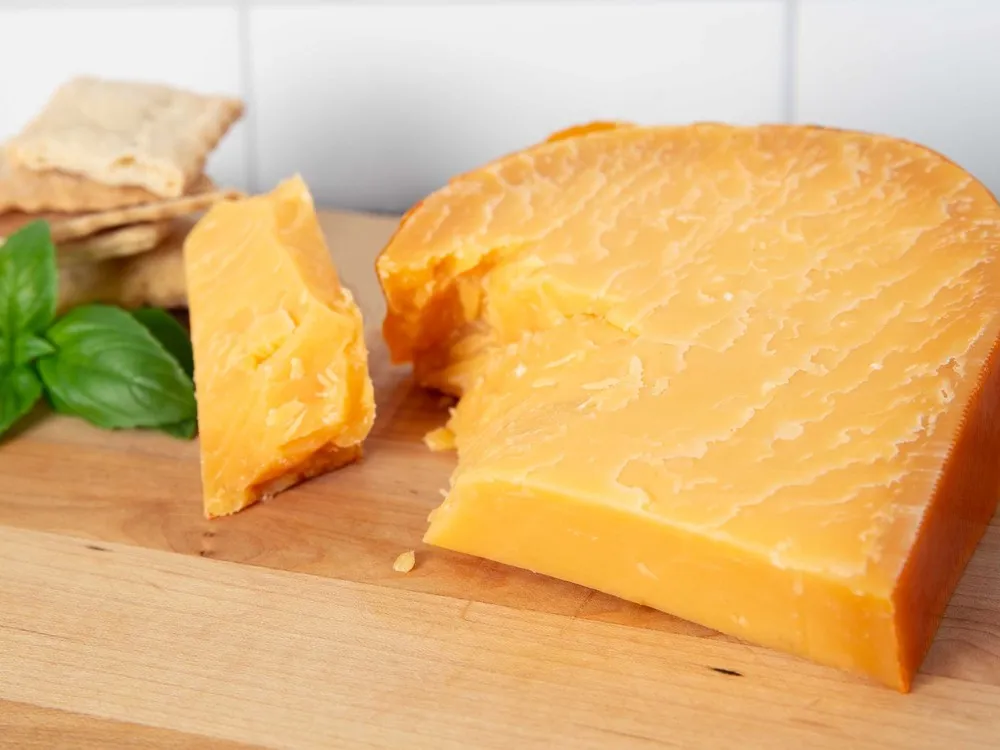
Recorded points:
(20,390)
(110,370)
(175,339)
(184,430)
(171,335)
(28,348)
(28,284)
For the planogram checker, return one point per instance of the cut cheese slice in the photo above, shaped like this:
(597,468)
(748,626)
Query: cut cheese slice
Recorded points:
(743,375)
(281,368)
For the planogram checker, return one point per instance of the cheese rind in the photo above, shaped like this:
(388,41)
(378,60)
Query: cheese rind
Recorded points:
(280,359)
(743,375)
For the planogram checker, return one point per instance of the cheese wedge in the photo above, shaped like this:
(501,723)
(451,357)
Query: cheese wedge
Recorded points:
(281,368)
(746,376)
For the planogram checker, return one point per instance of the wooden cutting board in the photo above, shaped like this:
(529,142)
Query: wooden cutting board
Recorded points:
(127,620)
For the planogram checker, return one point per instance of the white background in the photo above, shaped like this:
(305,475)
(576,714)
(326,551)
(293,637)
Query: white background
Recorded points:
(376,103)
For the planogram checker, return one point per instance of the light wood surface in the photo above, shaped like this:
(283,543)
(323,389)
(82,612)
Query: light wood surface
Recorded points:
(127,620)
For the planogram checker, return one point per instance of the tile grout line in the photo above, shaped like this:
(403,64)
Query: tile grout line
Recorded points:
(245,63)
(13,5)
(791,54)
(29,5)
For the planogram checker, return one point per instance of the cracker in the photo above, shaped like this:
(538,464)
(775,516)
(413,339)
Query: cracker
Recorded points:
(24,190)
(118,242)
(66,227)
(87,224)
(153,278)
(126,134)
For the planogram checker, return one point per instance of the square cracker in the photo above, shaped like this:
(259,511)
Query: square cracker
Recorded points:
(66,227)
(153,278)
(25,190)
(117,242)
(125,133)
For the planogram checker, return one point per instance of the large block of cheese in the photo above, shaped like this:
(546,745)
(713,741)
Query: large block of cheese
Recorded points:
(281,368)
(744,375)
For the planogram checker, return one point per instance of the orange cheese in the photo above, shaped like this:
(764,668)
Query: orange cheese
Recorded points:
(281,368)
(746,376)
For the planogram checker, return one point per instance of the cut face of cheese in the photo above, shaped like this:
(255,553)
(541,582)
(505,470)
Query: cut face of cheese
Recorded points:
(281,368)
(746,376)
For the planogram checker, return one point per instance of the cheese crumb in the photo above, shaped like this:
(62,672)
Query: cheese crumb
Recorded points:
(440,439)
(405,562)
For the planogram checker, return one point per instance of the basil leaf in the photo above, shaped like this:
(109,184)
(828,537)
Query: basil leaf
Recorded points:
(175,339)
(184,430)
(28,283)
(170,333)
(110,370)
(29,348)
(20,390)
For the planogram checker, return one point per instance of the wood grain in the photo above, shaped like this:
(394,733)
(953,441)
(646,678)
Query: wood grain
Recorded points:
(289,660)
(285,626)
(29,727)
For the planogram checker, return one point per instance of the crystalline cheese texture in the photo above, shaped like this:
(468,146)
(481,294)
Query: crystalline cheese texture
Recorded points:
(743,375)
(281,368)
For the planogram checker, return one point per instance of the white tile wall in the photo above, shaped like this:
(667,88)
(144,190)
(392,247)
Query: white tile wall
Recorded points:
(376,102)
(390,102)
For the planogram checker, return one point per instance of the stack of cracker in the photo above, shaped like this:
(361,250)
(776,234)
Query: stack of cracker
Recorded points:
(116,169)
